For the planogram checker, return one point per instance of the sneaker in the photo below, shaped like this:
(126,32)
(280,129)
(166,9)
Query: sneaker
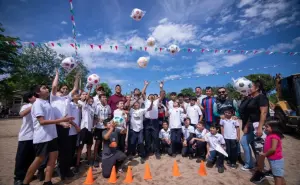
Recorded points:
(76,170)
(47,183)
(96,164)
(198,160)
(233,166)
(269,174)
(130,157)
(257,177)
(240,160)
(18,182)
(41,175)
(157,156)
(142,160)
(190,157)
(221,169)
(209,164)
(245,168)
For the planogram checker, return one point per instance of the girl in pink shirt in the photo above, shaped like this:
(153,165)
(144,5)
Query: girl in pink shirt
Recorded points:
(273,152)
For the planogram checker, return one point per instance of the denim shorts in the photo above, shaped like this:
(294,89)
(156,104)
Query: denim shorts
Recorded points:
(277,167)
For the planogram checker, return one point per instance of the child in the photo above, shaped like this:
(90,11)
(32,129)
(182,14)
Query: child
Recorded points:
(231,132)
(103,112)
(120,112)
(273,151)
(198,143)
(175,114)
(165,137)
(44,134)
(194,112)
(25,152)
(161,114)
(173,99)
(213,139)
(85,135)
(188,132)
(136,134)
(111,154)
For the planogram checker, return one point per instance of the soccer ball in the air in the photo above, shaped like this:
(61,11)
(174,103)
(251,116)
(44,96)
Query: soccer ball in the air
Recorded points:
(242,85)
(118,120)
(173,49)
(69,64)
(151,41)
(137,14)
(93,79)
(143,62)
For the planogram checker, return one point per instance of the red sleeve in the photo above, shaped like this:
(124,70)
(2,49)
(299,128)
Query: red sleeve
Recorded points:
(109,101)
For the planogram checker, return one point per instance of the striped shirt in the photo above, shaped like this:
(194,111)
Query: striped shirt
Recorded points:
(102,112)
(207,104)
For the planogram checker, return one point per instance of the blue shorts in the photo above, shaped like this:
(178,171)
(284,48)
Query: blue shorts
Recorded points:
(277,167)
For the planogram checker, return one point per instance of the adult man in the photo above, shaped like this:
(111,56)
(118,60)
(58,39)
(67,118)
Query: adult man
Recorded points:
(199,95)
(114,99)
(207,107)
(138,96)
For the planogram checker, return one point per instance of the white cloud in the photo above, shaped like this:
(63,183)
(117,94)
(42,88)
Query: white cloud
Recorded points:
(251,12)
(164,20)
(204,68)
(171,77)
(285,46)
(208,38)
(226,19)
(222,38)
(112,80)
(283,20)
(79,35)
(186,57)
(63,22)
(29,35)
(232,60)
(244,3)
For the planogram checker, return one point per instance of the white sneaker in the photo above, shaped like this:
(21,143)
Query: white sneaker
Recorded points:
(245,168)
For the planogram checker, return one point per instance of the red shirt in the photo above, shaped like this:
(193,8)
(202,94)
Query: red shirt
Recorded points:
(113,100)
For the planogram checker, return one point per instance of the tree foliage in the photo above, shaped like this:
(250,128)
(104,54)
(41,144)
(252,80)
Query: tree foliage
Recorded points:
(268,81)
(188,92)
(107,90)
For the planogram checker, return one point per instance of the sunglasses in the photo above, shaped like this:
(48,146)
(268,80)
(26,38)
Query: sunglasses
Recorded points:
(221,92)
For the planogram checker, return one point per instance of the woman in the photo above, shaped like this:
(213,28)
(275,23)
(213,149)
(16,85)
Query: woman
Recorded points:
(258,111)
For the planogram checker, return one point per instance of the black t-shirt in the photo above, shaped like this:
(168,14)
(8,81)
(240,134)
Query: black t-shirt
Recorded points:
(110,146)
(253,107)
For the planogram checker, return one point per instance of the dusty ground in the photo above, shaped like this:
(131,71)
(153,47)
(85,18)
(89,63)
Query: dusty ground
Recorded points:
(161,169)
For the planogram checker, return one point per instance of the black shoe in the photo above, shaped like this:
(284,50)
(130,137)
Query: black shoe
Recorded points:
(69,174)
(76,170)
(157,156)
(18,182)
(209,164)
(269,174)
(233,166)
(257,177)
(190,157)
(240,160)
(96,164)
(173,155)
(198,160)
(47,183)
(221,169)
(143,160)
(41,175)
(130,157)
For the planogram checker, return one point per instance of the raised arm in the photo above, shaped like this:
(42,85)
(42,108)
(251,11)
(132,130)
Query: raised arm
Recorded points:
(76,84)
(146,83)
(161,87)
(55,83)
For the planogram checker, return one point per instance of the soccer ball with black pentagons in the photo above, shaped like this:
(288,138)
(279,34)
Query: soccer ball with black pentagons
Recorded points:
(69,64)
(242,85)
(173,49)
(137,14)
(93,79)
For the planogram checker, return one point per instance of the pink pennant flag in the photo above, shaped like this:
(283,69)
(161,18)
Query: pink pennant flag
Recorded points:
(242,51)
(99,46)
(13,43)
(160,49)
(72,45)
(130,48)
(92,46)
(72,17)
(267,52)
(32,43)
(216,51)
(70,1)
(145,48)
(291,53)
(116,47)
(52,44)
(229,51)
(255,51)
(189,49)
(202,50)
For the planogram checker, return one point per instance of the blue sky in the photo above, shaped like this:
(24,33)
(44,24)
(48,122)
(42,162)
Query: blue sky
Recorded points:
(219,24)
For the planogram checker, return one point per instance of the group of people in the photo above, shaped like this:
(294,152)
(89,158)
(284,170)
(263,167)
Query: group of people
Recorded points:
(204,127)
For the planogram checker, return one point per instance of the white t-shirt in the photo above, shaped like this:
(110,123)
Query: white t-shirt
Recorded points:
(186,105)
(96,101)
(119,113)
(60,105)
(229,128)
(193,112)
(186,131)
(170,104)
(165,134)
(201,134)
(26,131)
(153,114)
(137,117)
(214,140)
(175,117)
(75,111)
(87,120)
(200,98)
(42,133)
(102,112)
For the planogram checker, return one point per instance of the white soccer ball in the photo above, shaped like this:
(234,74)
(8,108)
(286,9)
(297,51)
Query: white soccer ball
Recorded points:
(118,120)
(93,79)
(143,62)
(173,49)
(137,14)
(242,85)
(151,41)
(69,64)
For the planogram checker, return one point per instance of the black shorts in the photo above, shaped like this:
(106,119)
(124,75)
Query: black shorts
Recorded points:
(43,149)
(98,134)
(85,137)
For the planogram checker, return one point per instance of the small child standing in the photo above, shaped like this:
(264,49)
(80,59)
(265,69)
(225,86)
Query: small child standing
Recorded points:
(165,138)
(194,112)
(188,132)
(121,113)
(111,154)
(231,132)
(273,152)
(214,140)
(198,143)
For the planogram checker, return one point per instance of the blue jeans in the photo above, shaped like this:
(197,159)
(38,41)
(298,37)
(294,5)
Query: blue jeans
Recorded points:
(246,141)
(176,144)
(212,158)
(136,140)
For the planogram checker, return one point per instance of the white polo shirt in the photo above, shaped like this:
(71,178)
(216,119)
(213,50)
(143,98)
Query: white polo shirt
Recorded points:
(229,128)
(175,117)
(193,112)
(165,134)
(119,113)
(87,120)
(187,131)
(60,105)
(214,140)
(153,114)
(201,134)
(200,98)
(137,117)
(170,104)
(102,112)
(186,105)
(26,131)
(42,133)
(75,111)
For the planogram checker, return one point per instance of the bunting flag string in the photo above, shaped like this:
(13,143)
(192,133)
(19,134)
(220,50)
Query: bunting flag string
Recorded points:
(157,49)
(73,29)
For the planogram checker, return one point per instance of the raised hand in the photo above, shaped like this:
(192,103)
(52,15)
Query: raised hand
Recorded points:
(146,82)
(161,84)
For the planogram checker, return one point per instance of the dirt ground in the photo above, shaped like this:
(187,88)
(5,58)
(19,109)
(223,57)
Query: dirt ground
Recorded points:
(161,170)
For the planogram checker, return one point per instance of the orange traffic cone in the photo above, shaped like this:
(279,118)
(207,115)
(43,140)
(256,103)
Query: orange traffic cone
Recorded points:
(128,178)
(113,176)
(89,178)
(147,174)
(176,172)
(202,169)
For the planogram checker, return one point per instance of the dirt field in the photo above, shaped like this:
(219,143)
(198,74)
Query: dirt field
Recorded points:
(161,169)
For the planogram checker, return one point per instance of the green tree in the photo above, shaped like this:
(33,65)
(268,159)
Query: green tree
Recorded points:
(268,80)
(188,91)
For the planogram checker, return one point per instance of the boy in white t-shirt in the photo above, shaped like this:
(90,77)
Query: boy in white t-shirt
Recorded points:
(231,132)
(25,152)
(187,134)
(173,99)
(136,132)
(175,114)
(121,113)
(214,141)
(198,143)
(165,138)
(44,134)
(194,112)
